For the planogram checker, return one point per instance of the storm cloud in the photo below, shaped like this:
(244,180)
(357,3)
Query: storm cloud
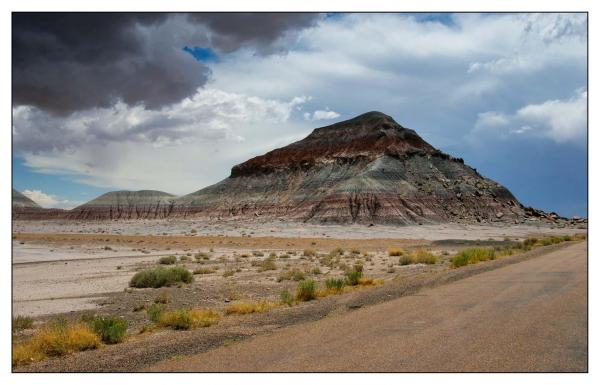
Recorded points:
(66,62)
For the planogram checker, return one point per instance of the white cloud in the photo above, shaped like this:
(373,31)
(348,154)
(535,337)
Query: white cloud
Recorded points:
(178,149)
(210,114)
(321,115)
(432,77)
(50,201)
(559,120)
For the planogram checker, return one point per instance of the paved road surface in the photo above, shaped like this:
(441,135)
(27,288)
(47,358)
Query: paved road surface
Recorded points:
(530,316)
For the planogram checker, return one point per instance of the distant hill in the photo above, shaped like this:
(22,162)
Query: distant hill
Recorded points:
(126,205)
(19,200)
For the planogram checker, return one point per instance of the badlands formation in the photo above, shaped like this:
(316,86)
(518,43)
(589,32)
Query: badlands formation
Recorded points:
(368,169)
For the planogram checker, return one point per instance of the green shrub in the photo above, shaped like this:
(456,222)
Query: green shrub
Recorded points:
(184,258)
(111,330)
(201,256)
(154,311)
(286,298)
(473,255)
(335,283)
(160,276)
(203,270)
(353,277)
(307,290)
(21,323)
(170,260)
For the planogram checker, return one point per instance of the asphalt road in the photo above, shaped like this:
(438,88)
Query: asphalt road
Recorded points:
(530,316)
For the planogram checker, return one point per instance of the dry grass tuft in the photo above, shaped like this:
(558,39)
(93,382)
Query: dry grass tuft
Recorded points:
(185,319)
(56,340)
(247,307)
(395,252)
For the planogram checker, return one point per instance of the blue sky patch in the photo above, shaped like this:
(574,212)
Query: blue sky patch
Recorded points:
(202,53)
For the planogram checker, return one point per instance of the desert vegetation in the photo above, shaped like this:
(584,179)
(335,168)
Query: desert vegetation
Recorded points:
(160,276)
(185,319)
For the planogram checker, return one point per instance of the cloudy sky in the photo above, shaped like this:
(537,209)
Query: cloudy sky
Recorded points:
(172,101)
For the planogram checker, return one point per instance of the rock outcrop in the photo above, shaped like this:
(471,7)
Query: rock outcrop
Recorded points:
(146,204)
(368,169)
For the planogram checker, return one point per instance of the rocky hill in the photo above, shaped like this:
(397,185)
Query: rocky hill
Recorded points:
(368,169)
(25,208)
(147,204)
(21,201)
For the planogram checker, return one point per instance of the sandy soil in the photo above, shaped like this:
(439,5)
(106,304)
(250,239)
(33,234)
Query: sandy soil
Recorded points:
(139,352)
(448,329)
(67,267)
(495,230)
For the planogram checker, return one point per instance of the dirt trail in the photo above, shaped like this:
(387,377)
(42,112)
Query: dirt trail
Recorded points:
(529,316)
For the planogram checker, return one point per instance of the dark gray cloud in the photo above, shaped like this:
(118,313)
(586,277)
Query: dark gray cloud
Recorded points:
(259,30)
(65,62)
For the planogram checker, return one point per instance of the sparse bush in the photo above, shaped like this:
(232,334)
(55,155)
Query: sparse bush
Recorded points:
(352,277)
(336,252)
(246,307)
(354,251)
(170,260)
(163,297)
(309,252)
(258,253)
(58,339)
(203,270)
(267,264)
(139,307)
(160,276)
(201,256)
(286,298)
(184,319)
(473,255)
(316,271)
(307,290)
(395,252)
(184,258)
(424,256)
(228,273)
(336,284)
(111,330)
(405,260)
(154,311)
(21,323)
(291,275)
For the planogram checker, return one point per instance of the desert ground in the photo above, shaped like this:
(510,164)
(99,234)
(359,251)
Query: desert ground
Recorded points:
(75,270)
